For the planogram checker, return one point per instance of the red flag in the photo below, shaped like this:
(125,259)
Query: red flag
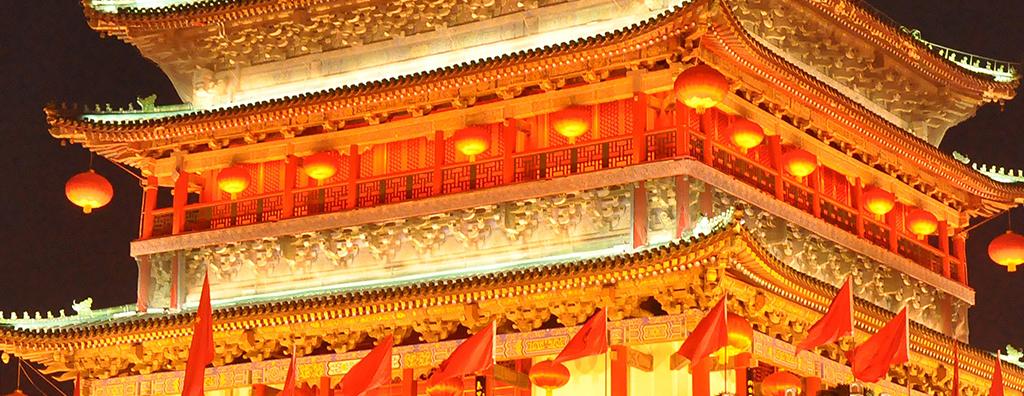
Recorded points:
(872,359)
(956,369)
(372,372)
(200,354)
(592,339)
(997,377)
(289,380)
(473,355)
(837,322)
(711,334)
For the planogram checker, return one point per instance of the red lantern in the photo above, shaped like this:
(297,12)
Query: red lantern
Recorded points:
(1007,250)
(320,166)
(921,223)
(88,190)
(740,335)
(233,180)
(549,375)
(799,163)
(571,122)
(878,201)
(472,141)
(745,134)
(701,87)
(448,387)
(782,383)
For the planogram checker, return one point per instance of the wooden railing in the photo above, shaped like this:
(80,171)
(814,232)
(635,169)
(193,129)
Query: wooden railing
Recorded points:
(760,169)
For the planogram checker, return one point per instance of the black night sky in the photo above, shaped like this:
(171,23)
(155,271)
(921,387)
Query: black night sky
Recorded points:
(51,254)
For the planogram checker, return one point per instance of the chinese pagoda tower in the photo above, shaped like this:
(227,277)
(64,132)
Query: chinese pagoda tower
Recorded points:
(344,171)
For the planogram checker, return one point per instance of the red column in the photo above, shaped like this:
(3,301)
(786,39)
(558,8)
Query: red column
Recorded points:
(683,115)
(812,385)
(149,195)
(741,381)
(775,145)
(960,249)
(142,293)
(438,161)
(523,366)
(179,202)
(816,180)
(353,176)
(682,204)
(858,197)
(707,200)
(894,232)
(710,132)
(944,247)
(408,383)
(325,386)
(209,188)
(639,215)
(620,370)
(175,268)
(508,164)
(259,390)
(291,165)
(639,127)
(701,378)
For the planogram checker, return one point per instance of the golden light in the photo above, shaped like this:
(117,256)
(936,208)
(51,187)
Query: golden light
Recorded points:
(549,375)
(878,201)
(922,223)
(740,336)
(89,190)
(233,180)
(472,141)
(701,87)
(782,383)
(17,392)
(571,122)
(745,134)
(448,387)
(320,166)
(1007,250)
(799,163)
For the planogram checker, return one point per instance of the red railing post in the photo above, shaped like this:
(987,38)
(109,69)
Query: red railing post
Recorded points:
(438,162)
(944,247)
(775,144)
(682,130)
(179,202)
(710,133)
(894,232)
(508,133)
(149,195)
(291,165)
(353,176)
(639,127)
(858,191)
(816,180)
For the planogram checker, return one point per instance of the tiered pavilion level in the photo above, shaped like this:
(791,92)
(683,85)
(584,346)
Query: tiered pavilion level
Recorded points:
(653,213)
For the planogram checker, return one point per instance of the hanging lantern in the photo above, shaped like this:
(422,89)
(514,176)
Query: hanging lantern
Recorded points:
(878,201)
(745,134)
(448,387)
(782,383)
(320,166)
(89,190)
(1007,250)
(701,87)
(922,223)
(472,141)
(233,180)
(799,163)
(549,375)
(571,122)
(740,335)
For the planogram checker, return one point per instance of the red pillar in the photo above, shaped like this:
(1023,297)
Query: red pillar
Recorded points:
(259,390)
(353,176)
(701,378)
(639,127)
(325,386)
(683,115)
(408,383)
(149,195)
(438,161)
(775,145)
(175,270)
(291,165)
(142,293)
(682,204)
(523,366)
(960,249)
(707,200)
(179,202)
(858,197)
(944,247)
(741,381)
(710,132)
(508,164)
(639,215)
(620,370)
(894,231)
(812,385)
(816,181)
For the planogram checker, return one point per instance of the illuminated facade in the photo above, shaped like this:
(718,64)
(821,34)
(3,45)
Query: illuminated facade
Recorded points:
(420,168)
